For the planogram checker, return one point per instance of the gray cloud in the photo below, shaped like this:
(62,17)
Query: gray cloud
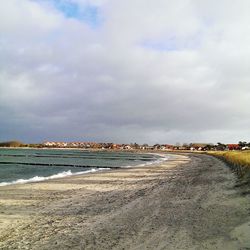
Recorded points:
(168,71)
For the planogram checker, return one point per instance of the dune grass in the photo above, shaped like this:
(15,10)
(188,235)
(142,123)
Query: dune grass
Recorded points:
(240,160)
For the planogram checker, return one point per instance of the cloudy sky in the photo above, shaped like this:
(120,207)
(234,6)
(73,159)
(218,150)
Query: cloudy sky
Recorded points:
(146,71)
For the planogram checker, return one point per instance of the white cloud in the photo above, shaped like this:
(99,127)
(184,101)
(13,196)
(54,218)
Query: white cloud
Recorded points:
(22,17)
(164,71)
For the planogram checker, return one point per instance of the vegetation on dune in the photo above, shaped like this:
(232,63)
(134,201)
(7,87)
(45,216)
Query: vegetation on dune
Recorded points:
(239,160)
(11,144)
(17,144)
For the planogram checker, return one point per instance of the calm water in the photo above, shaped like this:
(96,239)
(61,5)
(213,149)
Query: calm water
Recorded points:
(25,165)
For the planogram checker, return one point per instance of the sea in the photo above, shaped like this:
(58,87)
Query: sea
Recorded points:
(19,166)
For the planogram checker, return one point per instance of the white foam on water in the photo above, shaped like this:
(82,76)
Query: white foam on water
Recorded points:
(69,173)
(55,176)
(158,161)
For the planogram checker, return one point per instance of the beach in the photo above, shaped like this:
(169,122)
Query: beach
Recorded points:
(191,201)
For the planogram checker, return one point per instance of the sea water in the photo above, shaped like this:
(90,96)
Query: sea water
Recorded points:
(31,165)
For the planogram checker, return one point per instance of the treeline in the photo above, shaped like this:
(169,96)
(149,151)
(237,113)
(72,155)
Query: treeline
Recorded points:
(11,144)
(18,144)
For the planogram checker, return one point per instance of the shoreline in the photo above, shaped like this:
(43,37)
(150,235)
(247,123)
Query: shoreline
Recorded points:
(189,202)
(91,169)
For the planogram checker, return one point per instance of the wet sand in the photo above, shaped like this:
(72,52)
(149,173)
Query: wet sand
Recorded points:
(189,202)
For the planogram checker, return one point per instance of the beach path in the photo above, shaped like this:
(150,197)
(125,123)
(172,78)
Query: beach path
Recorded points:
(188,202)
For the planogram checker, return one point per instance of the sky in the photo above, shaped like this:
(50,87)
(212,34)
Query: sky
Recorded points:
(145,71)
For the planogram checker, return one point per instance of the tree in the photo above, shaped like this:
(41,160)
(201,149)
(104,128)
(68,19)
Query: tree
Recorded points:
(208,147)
(242,144)
(221,146)
(157,146)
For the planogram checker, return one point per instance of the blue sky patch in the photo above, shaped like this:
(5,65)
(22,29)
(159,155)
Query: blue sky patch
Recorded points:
(170,45)
(87,13)
(174,43)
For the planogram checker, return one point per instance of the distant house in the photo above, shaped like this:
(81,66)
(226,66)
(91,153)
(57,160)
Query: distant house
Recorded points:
(233,147)
(157,146)
(198,146)
(117,146)
(49,144)
(128,147)
(168,147)
(245,148)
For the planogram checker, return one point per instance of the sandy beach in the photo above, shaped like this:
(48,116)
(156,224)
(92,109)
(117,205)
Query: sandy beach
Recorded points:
(189,202)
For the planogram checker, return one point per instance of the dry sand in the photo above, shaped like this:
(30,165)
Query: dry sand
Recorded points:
(189,202)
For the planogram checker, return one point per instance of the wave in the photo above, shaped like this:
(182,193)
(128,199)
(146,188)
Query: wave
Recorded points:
(55,176)
(158,161)
(69,173)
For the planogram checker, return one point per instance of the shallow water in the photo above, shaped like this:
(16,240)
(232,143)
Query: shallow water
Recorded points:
(25,165)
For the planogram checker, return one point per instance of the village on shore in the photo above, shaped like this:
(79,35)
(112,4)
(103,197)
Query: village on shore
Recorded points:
(241,145)
(164,147)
